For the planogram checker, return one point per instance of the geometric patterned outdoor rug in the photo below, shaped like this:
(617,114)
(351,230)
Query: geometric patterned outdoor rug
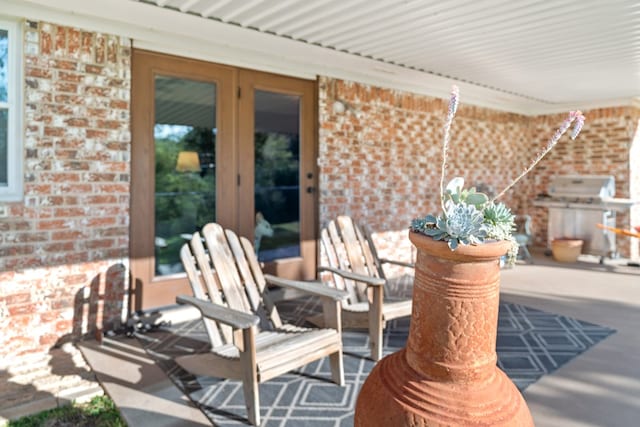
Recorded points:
(531,343)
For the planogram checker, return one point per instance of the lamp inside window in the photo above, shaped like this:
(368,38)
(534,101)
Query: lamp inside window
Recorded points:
(188,161)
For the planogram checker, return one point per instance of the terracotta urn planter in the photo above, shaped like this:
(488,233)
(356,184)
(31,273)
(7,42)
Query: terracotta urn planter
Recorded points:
(566,249)
(447,374)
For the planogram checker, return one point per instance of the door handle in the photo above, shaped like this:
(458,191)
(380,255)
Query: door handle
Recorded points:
(311,190)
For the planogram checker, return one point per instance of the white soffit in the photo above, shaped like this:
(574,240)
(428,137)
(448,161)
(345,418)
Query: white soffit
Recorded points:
(525,56)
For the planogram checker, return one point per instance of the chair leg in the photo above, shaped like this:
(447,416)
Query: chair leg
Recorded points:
(250,375)
(376,324)
(252,399)
(332,312)
(337,368)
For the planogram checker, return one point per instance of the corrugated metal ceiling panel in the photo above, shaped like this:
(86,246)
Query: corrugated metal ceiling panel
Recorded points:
(556,51)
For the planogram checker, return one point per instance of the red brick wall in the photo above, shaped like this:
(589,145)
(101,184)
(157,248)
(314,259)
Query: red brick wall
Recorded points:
(64,248)
(380,159)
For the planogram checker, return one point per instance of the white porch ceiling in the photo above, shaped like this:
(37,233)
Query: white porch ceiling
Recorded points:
(525,56)
(559,51)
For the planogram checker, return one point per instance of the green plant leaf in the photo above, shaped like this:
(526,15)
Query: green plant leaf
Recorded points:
(477,199)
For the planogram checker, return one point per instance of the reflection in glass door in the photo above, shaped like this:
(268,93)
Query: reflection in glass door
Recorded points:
(217,143)
(185,175)
(183,166)
(277,171)
(277,154)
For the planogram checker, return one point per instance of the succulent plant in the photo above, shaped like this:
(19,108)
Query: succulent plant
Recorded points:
(455,194)
(498,220)
(469,217)
(461,223)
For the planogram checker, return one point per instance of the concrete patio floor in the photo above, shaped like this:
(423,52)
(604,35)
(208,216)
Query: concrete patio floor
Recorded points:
(598,388)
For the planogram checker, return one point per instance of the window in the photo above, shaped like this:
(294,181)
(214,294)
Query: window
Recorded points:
(10,112)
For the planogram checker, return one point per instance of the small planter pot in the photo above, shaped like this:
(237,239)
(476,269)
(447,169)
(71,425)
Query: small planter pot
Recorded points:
(566,249)
(447,374)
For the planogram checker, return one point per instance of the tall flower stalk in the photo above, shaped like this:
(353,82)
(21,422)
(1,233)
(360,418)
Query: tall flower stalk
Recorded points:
(469,217)
(453,107)
(573,116)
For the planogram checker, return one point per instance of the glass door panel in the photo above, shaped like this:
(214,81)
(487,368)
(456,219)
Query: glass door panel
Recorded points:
(218,143)
(183,166)
(4,147)
(185,176)
(4,82)
(277,175)
(277,171)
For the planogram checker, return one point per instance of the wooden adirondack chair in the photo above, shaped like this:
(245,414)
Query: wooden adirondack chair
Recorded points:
(249,342)
(356,268)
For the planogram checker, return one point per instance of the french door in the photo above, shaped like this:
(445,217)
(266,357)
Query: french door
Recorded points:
(218,143)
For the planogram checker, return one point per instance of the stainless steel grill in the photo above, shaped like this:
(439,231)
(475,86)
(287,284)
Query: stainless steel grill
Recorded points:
(576,204)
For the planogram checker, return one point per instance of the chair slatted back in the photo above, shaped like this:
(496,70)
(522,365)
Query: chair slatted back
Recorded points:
(197,273)
(330,240)
(256,269)
(240,274)
(229,270)
(358,249)
(375,259)
(348,248)
(254,282)
(223,263)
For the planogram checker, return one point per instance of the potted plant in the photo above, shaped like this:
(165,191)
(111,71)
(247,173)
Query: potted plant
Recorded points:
(447,373)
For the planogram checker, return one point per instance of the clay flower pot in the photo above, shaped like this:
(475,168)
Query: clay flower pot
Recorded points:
(566,249)
(447,374)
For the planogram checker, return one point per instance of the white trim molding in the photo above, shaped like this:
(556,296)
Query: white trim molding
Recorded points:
(13,191)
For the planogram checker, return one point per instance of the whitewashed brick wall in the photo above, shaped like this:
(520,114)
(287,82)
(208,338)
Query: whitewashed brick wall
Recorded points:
(64,248)
(380,159)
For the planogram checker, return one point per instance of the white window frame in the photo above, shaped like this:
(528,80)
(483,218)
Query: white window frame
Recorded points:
(15,157)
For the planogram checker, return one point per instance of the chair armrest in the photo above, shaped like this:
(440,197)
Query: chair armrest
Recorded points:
(234,318)
(400,263)
(313,288)
(373,281)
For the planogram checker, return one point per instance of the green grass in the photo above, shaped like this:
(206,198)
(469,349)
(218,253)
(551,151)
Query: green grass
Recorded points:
(99,412)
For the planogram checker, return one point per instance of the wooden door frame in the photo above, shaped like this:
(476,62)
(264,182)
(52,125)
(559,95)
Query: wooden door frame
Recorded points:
(148,290)
(303,267)
(234,185)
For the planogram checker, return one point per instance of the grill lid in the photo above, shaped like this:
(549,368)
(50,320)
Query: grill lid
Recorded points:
(582,187)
